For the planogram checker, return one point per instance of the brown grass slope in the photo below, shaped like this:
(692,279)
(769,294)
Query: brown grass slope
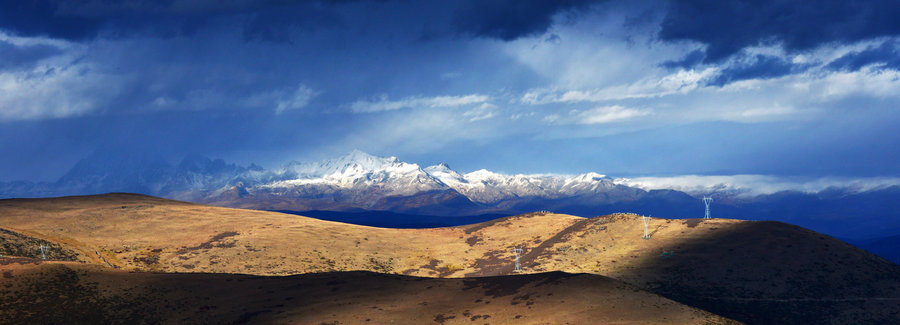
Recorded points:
(16,244)
(757,272)
(136,232)
(42,293)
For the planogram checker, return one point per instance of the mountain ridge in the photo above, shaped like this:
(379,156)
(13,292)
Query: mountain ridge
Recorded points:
(360,181)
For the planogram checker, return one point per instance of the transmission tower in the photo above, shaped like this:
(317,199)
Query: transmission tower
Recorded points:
(43,251)
(706,201)
(517,251)
(646,227)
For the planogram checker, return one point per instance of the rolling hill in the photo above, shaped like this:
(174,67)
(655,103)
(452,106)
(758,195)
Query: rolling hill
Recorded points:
(36,292)
(750,271)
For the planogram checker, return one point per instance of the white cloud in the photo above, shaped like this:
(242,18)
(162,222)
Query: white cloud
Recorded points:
(751,185)
(31,41)
(552,118)
(608,114)
(760,114)
(163,101)
(681,82)
(384,104)
(482,112)
(297,100)
(518,116)
(599,115)
(210,98)
(49,91)
(282,99)
(869,81)
(59,86)
(616,68)
(418,131)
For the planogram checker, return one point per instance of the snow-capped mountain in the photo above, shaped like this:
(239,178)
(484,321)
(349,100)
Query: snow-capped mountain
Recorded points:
(359,181)
(358,170)
(354,180)
(360,175)
(484,186)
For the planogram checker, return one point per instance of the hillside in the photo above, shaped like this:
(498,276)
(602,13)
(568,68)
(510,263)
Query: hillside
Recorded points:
(757,272)
(19,245)
(103,296)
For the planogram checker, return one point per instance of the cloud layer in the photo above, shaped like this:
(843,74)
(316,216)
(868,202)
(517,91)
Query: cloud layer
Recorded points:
(623,87)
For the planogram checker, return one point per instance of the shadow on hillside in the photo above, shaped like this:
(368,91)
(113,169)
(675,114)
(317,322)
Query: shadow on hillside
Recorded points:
(63,295)
(773,273)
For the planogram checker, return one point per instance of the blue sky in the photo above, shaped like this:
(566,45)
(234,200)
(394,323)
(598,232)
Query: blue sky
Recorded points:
(626,88)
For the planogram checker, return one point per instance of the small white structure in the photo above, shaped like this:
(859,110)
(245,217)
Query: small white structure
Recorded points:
(706,201)
(44,249)
(517,251)
(646,227)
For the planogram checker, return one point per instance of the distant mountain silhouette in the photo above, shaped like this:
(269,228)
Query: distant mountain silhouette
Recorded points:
(886,247)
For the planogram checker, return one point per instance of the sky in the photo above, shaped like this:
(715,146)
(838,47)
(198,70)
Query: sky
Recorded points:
(624,88)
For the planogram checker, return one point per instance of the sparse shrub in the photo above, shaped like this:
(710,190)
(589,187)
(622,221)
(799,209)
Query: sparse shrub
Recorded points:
(450,267)
(381,266)
(149,258)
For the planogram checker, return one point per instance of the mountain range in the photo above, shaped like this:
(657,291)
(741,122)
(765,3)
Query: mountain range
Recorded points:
(359,182)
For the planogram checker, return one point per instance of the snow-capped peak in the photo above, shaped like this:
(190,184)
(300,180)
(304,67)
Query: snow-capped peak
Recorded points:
(367,161)
(354,162)
(590,177)
(445,174)
(360,170)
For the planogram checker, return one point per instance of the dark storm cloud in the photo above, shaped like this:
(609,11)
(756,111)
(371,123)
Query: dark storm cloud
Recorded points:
(43,18)
(83,20)
(277,24)
(510,19)
(268,20)
(727,26)
(755,67)
(886,55)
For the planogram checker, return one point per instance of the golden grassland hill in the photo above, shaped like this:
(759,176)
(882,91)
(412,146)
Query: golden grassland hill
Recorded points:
(35,292)
(16,244)
(758,272)
(135,232)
